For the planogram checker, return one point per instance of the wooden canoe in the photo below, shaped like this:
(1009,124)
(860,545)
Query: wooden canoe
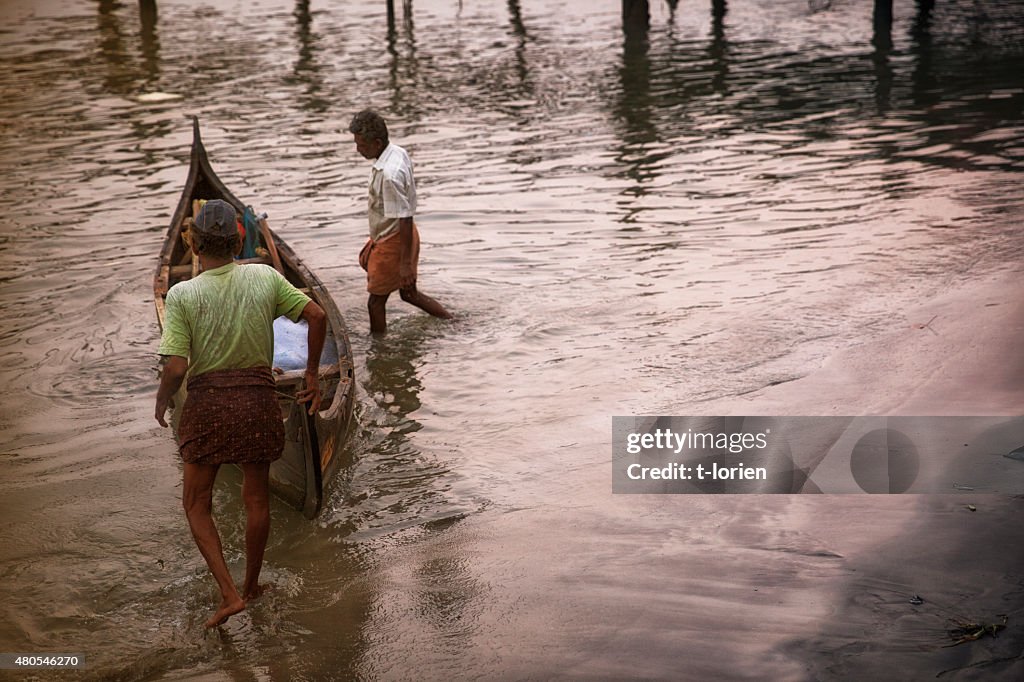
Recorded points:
(313,445)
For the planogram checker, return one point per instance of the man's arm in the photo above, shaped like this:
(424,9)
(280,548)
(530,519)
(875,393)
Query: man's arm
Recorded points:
(316,320)
(171,377)
(405,263)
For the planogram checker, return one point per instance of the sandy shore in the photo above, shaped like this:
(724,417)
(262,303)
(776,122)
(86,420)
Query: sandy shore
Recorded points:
(958,354)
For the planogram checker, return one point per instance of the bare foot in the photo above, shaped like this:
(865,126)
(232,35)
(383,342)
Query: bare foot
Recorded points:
(257,592)
(227,609)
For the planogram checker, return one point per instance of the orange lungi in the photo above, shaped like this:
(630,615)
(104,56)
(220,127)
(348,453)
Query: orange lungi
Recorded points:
(381,260)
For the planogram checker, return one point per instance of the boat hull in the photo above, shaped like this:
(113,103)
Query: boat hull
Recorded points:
(314,444)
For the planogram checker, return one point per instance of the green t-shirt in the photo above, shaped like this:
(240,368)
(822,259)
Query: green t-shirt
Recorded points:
(224,318)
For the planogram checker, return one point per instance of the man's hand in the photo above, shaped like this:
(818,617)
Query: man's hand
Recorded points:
(310,393)
(406,276)
(161,411)
(316,319)
(171,375)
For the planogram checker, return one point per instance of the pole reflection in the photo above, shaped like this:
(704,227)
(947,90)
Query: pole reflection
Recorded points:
(523,38)
(307,69)
(718,48)
(150,40)
(403,72)
(924,88)
(110,49)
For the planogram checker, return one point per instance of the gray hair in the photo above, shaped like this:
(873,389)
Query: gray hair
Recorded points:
(369,124)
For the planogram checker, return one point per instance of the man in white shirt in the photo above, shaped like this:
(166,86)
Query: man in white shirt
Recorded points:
(391,254)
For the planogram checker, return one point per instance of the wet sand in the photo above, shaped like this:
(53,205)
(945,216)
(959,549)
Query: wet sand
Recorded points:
(958,354)
(965,566)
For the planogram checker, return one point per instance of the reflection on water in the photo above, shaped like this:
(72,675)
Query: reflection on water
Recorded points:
(393,484)
(629,216)
(403,70)
(391,376)
(307,69)
(110,48)
(150,40)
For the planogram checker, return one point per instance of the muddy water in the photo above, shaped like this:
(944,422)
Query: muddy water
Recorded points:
(625,223)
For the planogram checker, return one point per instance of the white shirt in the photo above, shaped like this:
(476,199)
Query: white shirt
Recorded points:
(392,192)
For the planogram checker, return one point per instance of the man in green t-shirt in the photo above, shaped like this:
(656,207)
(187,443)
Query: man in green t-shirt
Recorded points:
(218,331)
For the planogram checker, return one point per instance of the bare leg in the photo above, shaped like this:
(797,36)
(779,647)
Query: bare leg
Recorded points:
(256,495)
(197,498)
(423,302)
(377,305)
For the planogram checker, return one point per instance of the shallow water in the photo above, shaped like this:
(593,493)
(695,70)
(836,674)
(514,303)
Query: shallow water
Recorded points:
(623,224)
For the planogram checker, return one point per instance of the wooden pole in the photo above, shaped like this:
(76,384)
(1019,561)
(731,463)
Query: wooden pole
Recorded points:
(882,18)
(923,19)
(147,12)
(718,9)
(636,15)
(883,12)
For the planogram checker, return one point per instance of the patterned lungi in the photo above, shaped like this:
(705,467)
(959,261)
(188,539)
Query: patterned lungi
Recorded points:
(231,415)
